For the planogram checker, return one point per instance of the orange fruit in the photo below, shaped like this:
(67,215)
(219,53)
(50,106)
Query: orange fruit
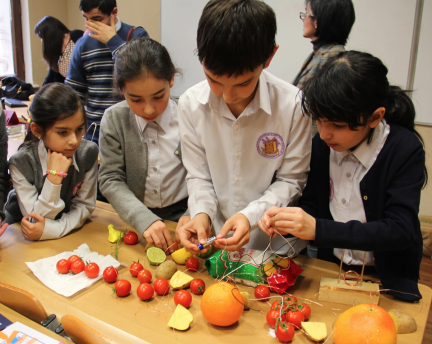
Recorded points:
(365,323)
(222,304)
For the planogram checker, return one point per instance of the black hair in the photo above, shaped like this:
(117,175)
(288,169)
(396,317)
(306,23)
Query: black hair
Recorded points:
(105,6)
(235,36)
(140,57)
(53,102)
(350,87)
(335,19)
(52,32)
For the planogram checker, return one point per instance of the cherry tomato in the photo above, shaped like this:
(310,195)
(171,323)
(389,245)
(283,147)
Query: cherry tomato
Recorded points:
(295,318)
(73,258)
(135,268)
(277,305)
(122,288)
(144,276)
(262,293)
(161,286)
(305,309)
(110,274)
(290,299)
(197,286)
(63,266)
(183,297)
(174,248)
(130,238)
(145,291)
(92,270)
(192,264)
(284,332)
(77,266)
(272,316)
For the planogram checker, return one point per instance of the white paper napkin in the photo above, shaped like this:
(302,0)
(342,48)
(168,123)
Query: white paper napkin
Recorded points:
(68,284)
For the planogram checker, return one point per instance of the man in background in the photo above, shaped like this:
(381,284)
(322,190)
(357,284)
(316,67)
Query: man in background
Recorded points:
(91,67)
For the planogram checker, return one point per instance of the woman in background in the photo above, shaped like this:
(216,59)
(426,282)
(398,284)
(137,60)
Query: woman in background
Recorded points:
(327,23)
(58,43)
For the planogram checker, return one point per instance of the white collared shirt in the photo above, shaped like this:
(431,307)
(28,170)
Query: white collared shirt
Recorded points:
(48,204)
(231,161)
(165,181)
(347,169)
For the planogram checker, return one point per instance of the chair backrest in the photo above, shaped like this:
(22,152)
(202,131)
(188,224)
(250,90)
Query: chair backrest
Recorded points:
(22,302)
(81,333)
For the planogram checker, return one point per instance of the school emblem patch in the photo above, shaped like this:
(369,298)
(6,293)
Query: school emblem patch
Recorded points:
(270,145)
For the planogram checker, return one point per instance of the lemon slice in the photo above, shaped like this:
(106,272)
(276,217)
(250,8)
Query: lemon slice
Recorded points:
(155,256)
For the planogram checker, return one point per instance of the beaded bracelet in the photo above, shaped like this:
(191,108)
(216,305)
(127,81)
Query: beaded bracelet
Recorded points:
(55,173)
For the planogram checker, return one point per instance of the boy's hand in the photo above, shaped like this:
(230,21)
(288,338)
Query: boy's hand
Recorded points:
(57,162)
(292,220)
(30,230)
(265,222)
(241,227)
(182,221)
(194,232)
(157,233)
(100,31)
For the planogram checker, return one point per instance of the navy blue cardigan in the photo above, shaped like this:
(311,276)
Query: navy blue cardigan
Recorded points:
(391,197)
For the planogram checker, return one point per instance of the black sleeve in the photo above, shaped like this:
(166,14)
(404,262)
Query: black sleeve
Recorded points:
(4,176)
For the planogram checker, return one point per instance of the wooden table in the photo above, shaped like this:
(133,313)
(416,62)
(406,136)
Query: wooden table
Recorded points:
(17,317)
(129,320)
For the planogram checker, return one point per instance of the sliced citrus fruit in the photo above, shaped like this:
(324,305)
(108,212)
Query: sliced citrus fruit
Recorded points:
(155,256)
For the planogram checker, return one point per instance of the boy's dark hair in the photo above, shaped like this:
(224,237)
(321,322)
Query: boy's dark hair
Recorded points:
(350,87)
(140,57)
(53,102)
(235,36)
(105,6)
(334,18)
(51,31)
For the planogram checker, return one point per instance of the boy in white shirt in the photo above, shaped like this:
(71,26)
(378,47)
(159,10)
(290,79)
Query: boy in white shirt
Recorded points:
(245,142)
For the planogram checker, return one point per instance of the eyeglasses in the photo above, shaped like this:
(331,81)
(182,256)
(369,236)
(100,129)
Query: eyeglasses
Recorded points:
(305,15)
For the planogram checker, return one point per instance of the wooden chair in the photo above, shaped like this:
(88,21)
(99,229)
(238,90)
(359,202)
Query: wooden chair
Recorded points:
(81,333)
(22,302)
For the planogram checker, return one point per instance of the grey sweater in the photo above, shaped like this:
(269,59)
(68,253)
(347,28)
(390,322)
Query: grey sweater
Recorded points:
(123,167)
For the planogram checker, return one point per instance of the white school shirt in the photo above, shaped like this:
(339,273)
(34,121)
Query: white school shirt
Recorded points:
(165,181)
(48,204)
(231,161)
(347,169)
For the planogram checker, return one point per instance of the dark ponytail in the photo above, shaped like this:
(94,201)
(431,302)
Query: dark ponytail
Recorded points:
(350,87)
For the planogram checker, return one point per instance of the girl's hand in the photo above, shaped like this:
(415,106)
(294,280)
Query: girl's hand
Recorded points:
(30,230)
(58,162)
(292,220)
(239,224)
(265,221)
(157,233)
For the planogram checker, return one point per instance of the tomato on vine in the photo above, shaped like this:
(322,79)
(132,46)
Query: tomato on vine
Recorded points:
(305,309)
(284,332)
(272,316)
(295,318)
